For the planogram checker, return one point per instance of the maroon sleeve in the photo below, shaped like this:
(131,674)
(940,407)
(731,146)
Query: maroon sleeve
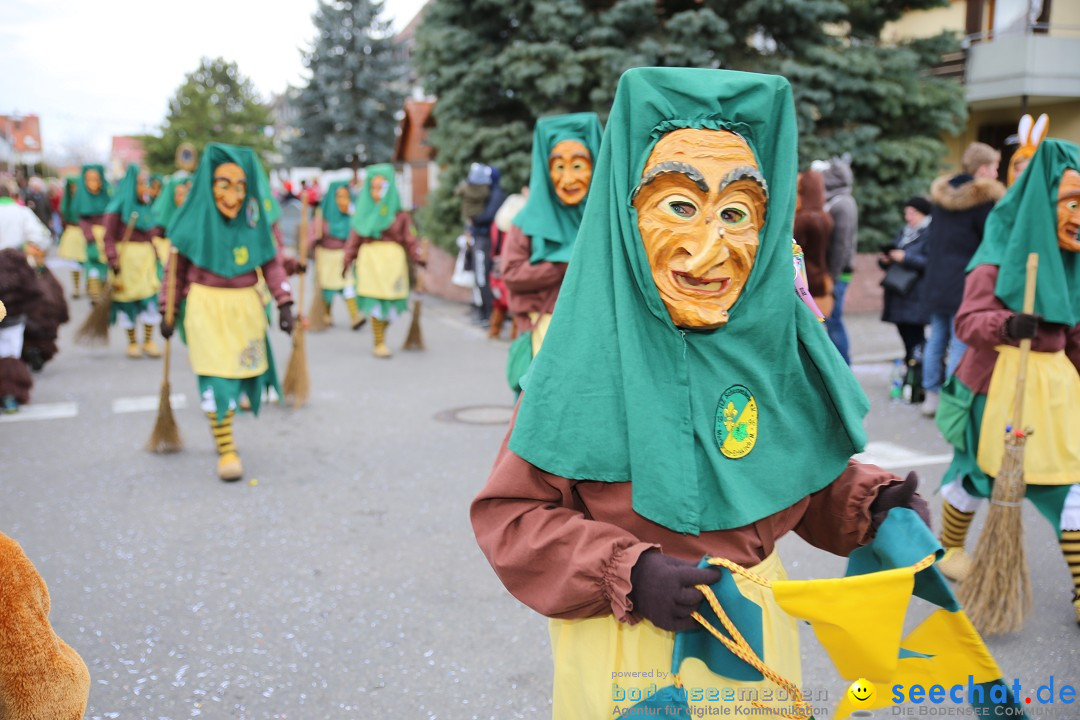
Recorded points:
(87,228)
(981,316)
(547,552)
(522,276)
(1072,345)
(402,232)
(277,280)
(182,266)
(352,247)
(114,230)
(838,516)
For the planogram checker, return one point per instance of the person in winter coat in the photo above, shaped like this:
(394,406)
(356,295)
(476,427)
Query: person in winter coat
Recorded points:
(907,311)
(961,204)
(812,231)
(841,205)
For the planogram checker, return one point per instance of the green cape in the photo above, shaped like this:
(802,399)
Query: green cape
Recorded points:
(370,219)
(125,201)
(551,224)
(619,394)
(67,200)
(85,204)
(165,206)
(271,206)
(337,222)
(210,240)
(1025,221)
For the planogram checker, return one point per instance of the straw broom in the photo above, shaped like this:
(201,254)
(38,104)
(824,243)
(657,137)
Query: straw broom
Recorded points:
(318,311)
(166,435)
(95,329)
(997,594)
(297,383)
(415,339)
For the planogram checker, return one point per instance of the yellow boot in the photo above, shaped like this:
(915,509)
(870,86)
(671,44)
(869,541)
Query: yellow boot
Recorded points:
(356,317)
(956,564)
(378,329)
(229,467)
(133,350)
(149,346)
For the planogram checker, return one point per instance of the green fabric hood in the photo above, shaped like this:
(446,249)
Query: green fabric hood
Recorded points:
(1025,221)
(551,224)
(209,239)
(165,206)
(126,201)
(67,200)
(337,222)
(371,219)
(619,394)
(85,204)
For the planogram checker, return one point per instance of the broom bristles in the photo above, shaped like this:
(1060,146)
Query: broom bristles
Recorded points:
(317,311)
(297,383)
(415,339)
(997,594)
(166,435)
(95,329)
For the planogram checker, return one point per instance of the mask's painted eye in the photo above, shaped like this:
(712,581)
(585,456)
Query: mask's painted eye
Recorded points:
(558,166)
(1072,205)
(680,206)
(735,214)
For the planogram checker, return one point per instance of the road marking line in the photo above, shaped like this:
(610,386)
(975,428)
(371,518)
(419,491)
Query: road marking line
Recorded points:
(44,411)
(147,403)
(891,456)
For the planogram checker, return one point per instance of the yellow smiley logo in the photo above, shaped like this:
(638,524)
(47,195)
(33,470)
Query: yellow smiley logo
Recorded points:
(862,693)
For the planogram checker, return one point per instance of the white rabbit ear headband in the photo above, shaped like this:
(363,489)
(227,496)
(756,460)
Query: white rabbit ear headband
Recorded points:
(1032,132)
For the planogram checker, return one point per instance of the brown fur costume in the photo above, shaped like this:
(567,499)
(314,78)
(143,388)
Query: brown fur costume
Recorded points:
(813,230)
(19,291)
(43,321)
(41,677)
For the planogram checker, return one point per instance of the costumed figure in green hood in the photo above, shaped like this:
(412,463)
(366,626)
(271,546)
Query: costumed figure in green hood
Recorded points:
(72,242)
(170,196)
(223,238)
(1040,213)
(686,401)
(91,199)
(381,244)
(134,262)
(541,239)
(328,249)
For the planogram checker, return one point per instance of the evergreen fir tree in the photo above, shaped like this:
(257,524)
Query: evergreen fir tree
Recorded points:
(216,103)
(347,109)
(497,65)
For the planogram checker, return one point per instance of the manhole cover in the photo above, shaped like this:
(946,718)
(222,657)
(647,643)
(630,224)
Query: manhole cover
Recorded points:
(477,415)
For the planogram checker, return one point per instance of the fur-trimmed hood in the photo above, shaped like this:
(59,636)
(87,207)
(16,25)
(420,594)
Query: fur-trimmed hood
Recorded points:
(957,193)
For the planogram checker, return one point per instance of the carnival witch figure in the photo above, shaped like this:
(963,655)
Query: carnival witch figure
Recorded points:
(134,263)
(332,233)
(91,199)
(382,242)
(686,401)
(541,239)
(222,237)
(1039,214)
(72,242)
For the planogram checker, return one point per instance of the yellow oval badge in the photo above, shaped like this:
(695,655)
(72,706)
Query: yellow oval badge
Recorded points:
(241,255)
(736,422)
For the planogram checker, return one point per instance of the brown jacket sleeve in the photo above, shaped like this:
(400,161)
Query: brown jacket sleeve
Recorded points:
(87,228)
(1072,346)
(981,315)
(114,230)
(402,232)
(277,280)
(520,275)
(545,549)
(352,247)
(838,517)
(182,282)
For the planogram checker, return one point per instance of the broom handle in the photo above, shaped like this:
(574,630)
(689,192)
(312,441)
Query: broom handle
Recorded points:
(1025,344)
(301,250)
(170,300)
(128,232)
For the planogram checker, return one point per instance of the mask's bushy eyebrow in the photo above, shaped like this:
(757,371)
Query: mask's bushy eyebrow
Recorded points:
(688,170)
(745,172)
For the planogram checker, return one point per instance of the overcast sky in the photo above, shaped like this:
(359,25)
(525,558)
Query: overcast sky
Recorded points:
(97,68)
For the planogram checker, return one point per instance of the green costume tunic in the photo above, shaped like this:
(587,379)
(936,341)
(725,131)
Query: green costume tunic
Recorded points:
(87,206)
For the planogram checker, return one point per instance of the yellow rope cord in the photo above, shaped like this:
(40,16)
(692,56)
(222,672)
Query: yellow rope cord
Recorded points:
(739,647)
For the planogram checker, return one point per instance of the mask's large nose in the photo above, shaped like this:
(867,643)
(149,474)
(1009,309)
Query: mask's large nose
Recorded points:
(712,252)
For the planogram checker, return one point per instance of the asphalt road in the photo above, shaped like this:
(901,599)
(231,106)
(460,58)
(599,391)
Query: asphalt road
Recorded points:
(340,579)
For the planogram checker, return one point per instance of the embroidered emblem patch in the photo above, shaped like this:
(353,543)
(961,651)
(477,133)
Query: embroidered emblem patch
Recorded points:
(252,356)
(736,422)
(241,255)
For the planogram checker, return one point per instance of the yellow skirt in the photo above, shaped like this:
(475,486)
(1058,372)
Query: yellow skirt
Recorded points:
(1051,397)
(330,264)
(541,322)
(138,272)
(594,658)
(72,244)
(225,330)
(382,271)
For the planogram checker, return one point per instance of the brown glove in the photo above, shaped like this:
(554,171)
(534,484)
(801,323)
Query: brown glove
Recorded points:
(663,592)
(902,494)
